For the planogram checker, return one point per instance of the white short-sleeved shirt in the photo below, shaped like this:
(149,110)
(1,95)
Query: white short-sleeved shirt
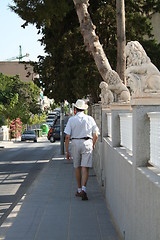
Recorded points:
(81,125)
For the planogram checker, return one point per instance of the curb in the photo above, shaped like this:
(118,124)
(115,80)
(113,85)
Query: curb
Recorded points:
(3,144)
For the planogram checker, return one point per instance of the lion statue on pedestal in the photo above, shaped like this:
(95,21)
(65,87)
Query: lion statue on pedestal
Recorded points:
(106,95)
(113,90)
(142,75)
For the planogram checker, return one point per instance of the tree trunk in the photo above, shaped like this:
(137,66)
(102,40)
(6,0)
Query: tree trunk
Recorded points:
(91,40)
(121,39)
(94,47)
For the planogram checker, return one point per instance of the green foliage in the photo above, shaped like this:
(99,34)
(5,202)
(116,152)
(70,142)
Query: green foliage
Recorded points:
(37,119)
(68,71)
(42,118)
(18,99)
(1,120)
(41,12)
(55,105)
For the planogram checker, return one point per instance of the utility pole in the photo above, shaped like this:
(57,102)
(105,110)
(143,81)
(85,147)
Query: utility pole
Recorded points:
(62,128)
(121,39)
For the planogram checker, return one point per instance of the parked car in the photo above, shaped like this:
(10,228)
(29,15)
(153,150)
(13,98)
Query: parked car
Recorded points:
(52,117)
(57,121)
(50,123)
(29,135)
(57,112)
(54,133)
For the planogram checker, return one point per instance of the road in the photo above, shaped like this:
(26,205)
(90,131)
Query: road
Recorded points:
(20,163)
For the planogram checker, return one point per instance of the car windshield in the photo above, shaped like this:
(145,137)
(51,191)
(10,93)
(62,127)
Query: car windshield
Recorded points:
(29,132)
(51,117)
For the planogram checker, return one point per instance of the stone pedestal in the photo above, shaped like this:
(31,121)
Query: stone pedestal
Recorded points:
(105,110)
(141,128)
(116,109)
(97,115)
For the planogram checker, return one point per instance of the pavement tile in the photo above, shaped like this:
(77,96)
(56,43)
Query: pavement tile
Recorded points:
(50,210)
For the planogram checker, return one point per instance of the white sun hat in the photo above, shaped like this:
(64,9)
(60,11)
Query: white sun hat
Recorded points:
(80,104)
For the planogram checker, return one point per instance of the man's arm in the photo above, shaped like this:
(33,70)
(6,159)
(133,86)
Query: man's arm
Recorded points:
(95,137)
(67,138)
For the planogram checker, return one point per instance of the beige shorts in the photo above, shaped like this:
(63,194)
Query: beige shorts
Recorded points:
(81,151)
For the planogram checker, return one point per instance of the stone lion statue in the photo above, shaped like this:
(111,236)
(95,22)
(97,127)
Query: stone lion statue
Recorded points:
(142,76)
(106,95)
(113,87)
(117,87)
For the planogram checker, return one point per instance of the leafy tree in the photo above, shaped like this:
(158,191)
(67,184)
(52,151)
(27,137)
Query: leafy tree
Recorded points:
(55,105)
(18,99)
(37,119)
(68,71)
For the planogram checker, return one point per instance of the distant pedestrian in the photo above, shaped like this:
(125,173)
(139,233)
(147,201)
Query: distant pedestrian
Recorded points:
(83,132)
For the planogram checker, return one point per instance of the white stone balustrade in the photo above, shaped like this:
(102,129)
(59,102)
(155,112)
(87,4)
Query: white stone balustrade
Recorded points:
(126,130)
(109,124)
(154,138)
(121,159)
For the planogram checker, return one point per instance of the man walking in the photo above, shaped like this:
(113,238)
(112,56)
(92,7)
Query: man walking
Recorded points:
(83,131)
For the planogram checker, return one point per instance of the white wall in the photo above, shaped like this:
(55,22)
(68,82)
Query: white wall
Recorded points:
(131,185)
(133,195)
(4,133)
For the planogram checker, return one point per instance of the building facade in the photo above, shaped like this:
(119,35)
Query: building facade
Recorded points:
(23,69)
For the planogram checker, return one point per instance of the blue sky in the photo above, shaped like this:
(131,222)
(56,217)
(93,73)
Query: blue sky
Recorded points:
(12,35)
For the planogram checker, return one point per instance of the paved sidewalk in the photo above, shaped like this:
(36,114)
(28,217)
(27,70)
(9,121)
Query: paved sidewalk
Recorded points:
(50,210)
(9,144)
(4,144)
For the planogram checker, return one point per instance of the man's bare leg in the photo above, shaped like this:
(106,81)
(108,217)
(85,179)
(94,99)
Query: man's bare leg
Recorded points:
(85,172)
(78,176)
